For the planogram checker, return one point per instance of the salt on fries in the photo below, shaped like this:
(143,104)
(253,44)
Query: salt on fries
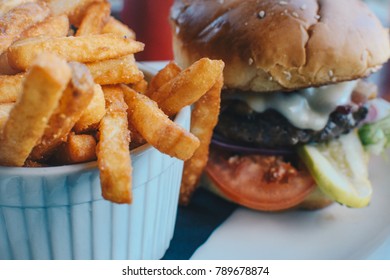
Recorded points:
(69,99)
(113,148)
(92,115)
(43,86)
(74,9)
(5,109)
(87,48)
(51,26)
(204,118)
(188,86)
(116,27)
(6,6)
(162,77)
(73,102)
(94,19)
(116,71)
(10,87)
(17,20)
(157,129)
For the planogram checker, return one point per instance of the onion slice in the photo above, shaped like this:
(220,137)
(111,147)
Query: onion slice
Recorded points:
(225,144)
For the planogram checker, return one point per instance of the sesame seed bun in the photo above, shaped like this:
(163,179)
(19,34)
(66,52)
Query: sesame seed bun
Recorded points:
(281,45)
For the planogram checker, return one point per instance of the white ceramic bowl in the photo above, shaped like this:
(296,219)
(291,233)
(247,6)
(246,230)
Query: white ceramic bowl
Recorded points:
(59,213)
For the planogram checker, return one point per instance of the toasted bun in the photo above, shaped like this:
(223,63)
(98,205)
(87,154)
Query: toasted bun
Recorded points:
(272,45)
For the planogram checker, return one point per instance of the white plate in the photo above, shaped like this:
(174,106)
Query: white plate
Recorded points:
(335,232)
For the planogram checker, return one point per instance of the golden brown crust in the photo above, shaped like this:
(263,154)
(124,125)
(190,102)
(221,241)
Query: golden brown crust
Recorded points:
(271,45)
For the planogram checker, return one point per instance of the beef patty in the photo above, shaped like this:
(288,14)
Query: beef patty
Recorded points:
(239,123)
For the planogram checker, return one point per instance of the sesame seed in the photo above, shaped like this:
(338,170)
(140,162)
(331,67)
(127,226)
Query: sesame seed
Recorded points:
(295,14)
(250,61)
(270,78)
(246,23)
(261,14)
(303,7)
(317,17)
(283,3)
(220,1)
(330,73)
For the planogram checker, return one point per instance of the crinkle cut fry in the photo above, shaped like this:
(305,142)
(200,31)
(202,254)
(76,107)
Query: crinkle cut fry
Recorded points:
(75,9)
(204,118)
(116,71)
(10,87)
(43,87)
(156,128)
(92,115)
(5,109)
(83,49)
(77,148)
(73,102)
(113,151)
(17,20)
(94,19)
(188,86)
(115,26)
(170,71)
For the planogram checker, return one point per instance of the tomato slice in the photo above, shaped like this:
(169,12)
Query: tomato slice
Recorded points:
(259,182)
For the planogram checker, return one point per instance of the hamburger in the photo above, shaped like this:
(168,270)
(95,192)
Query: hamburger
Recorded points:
(297,114)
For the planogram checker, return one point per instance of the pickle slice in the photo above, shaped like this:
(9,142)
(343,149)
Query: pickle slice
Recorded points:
(339,167)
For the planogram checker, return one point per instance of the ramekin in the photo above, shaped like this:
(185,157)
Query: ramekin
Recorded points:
(59,213)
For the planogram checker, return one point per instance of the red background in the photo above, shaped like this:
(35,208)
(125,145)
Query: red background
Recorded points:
(150,20)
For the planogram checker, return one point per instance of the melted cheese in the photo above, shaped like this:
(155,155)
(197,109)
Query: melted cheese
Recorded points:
(306,109)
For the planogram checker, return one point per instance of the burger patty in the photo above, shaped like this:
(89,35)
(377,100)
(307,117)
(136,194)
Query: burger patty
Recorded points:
(270,129)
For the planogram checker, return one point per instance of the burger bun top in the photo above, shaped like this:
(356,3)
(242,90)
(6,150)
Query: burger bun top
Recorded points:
(281,45)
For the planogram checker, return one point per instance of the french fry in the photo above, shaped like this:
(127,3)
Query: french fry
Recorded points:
(10,87)
(5,109)
(57,26)
(5,68)
(92,115)
(113,152)
(73,102)
(33,164)
(77,149)
(43,86)
(156,128)
(14,22)
(188,86)
(116,71)
(87,48)
(141,86)
(170,71)
(95,17)
(136,138)
(75,9)
(7,5)
(204,118)
(117,27)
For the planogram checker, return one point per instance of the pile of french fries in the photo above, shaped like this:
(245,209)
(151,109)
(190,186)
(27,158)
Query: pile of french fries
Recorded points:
(71,92)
